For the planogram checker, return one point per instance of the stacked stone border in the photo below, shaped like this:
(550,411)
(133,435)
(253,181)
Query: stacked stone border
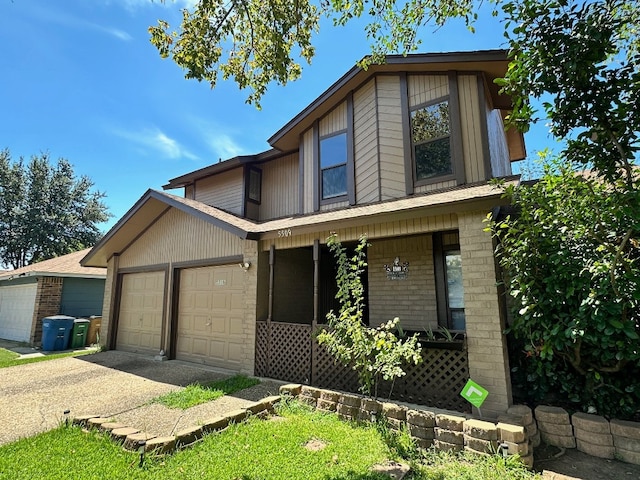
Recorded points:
(590,434)
(514,433)
(134,439)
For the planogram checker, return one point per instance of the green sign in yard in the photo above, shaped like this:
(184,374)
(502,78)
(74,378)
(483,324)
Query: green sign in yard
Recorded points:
(474,393)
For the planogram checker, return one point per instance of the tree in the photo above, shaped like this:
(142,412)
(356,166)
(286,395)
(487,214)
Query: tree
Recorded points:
(374,353)
(45,211)
(255,42)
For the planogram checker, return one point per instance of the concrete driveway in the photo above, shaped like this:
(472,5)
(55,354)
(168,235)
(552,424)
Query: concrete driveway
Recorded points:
(33,397)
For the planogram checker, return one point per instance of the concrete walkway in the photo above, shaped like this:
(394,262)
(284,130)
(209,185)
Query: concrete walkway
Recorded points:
(34,397)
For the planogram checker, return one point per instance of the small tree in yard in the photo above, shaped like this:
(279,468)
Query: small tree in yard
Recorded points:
(374,353)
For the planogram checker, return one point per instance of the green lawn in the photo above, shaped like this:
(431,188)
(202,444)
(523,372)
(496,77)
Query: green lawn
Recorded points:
(258,449)
(10,359)
(197,393)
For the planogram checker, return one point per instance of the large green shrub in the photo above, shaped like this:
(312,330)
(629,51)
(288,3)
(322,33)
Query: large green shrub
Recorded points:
(570,256)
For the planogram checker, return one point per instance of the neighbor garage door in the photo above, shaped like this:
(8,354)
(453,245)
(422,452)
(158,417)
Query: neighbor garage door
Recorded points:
(210,316)
(140,318)
(16,311)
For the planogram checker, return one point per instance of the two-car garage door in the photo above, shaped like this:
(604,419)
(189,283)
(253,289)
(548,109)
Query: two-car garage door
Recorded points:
(209,314)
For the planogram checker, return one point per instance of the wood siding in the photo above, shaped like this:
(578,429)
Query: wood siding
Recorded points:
(334,121)
(390,137)
(413,299)
(307,162)
(365,118)
(280,187)
(470,111)
(224,191)
(179,237)
(426,88)
(500,163)
(409,226)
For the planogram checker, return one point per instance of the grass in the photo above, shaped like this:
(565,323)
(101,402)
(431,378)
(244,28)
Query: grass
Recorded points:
(10,359)
(252,450)
(197,393)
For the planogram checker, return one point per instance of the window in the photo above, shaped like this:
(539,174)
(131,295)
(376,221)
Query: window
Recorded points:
(255,185)
(333,166)
(431,140)
(455,291)
(449,287)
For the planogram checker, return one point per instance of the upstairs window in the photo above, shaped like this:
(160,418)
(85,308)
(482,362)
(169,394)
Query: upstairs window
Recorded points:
(333,165)
(431,141)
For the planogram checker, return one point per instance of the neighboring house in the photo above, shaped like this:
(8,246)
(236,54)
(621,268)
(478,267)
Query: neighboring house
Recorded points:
(57,286)
(236,273)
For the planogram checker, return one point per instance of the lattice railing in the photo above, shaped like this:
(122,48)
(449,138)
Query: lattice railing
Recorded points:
(287,349)
(286,355)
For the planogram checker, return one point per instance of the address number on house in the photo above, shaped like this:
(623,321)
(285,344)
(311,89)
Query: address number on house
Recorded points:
(284,233)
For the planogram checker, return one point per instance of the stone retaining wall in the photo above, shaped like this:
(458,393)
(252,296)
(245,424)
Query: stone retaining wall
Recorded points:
(591,434)
(514,433)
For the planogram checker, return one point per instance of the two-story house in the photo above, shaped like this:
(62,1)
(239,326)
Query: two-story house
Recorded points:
(235,272)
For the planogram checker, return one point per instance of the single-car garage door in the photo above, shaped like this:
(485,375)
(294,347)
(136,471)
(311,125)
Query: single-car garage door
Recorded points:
(16,311)
(140,318)
(210,316)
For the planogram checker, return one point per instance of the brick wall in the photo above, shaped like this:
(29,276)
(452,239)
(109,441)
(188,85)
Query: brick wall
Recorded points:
(250,254)
(412,299)
(47,303)
(487,347)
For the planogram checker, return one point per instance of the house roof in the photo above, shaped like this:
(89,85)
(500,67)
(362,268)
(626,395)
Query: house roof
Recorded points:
(222,166)
(492,63)
(153,204)
(63,266)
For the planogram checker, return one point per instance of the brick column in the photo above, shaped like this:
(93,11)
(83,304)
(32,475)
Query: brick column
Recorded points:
(47,303)
(487,345)
(250,254)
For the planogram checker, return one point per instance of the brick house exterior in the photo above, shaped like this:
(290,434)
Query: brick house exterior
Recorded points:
(235,272)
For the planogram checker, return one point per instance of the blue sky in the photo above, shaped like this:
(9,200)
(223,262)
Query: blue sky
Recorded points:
(79,79)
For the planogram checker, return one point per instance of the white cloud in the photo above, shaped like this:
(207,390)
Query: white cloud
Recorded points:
(156,140)
(219,141)
(223,146)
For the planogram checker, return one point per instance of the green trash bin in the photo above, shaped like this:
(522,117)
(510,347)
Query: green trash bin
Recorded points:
(79,333)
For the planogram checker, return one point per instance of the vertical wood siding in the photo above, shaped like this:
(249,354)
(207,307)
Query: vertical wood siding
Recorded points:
(413,299)
(373,231)
(280,192)
(390,137)
(179,237)
(500,163)
(426,88)
(470,111)
(307,148)
(223,190)
(334,121)
(366,144)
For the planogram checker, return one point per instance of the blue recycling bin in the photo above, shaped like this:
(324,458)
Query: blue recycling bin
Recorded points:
(56,331)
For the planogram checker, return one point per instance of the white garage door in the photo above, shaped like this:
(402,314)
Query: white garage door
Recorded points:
(16,311)
(210,316)
(140,318)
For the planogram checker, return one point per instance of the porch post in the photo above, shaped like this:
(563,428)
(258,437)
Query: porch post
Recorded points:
(314,321)
(272,261)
